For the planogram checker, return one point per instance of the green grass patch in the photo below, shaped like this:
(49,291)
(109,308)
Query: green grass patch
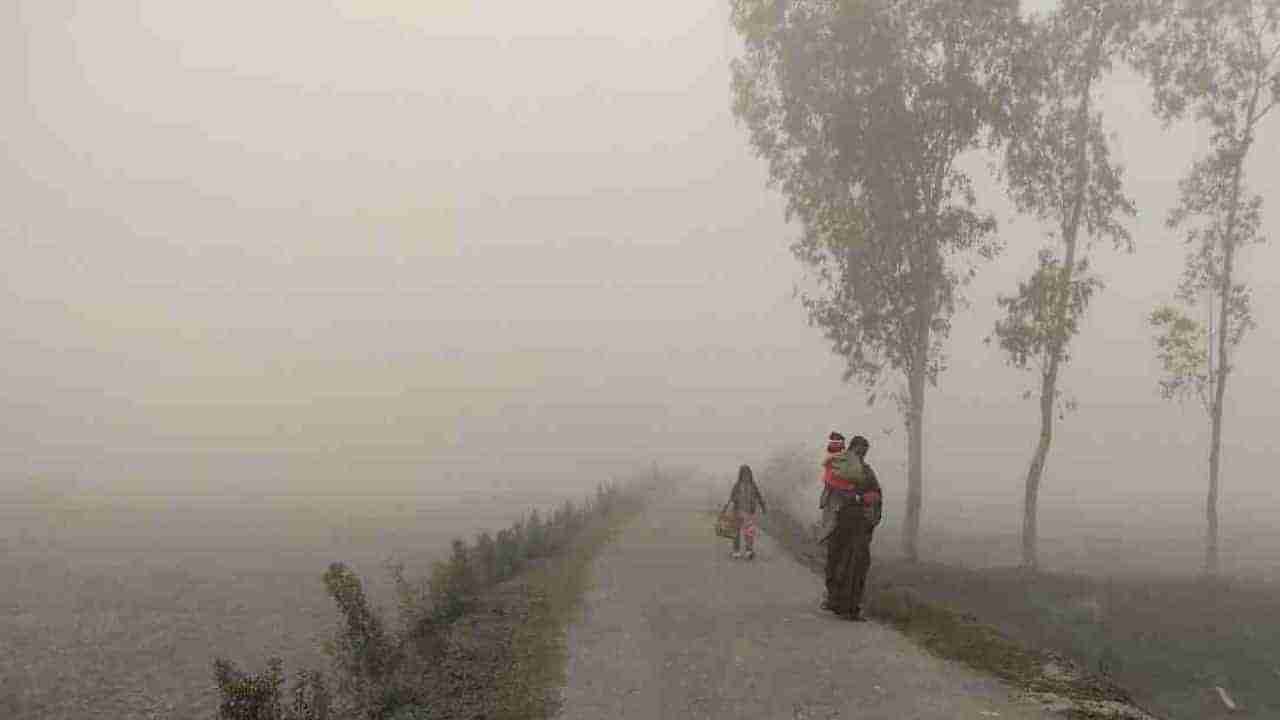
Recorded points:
(950,635)
(529,690)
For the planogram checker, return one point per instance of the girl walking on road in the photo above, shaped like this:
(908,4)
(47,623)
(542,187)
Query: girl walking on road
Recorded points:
(746,503)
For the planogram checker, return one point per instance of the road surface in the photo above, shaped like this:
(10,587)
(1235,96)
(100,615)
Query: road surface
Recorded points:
(674,628)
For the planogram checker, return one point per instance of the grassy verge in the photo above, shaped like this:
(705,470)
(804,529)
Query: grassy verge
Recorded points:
(481,635)
(1169,641)
(529,688)
(1049,677)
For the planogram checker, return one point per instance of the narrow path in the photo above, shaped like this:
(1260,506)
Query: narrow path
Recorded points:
(674,628)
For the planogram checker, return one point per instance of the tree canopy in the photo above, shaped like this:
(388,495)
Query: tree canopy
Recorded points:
(862,108)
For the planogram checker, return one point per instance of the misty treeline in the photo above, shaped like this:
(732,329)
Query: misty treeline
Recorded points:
(862,109)
(385,671)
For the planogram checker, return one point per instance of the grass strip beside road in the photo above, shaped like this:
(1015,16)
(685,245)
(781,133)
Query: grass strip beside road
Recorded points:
(961,637)
(529,688)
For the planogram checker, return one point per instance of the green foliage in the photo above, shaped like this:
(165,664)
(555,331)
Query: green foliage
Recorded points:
(417,621)
(507,560)
(453,585)
(1182,350)
(1035,323)
(363,650)
(248,696)
(257,696)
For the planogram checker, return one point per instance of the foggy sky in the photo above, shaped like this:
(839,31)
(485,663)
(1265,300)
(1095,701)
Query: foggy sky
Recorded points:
(294,243)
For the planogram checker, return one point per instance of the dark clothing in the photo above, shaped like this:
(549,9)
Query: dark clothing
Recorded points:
(848,559)
(746,502)
(746,498)
(849,543)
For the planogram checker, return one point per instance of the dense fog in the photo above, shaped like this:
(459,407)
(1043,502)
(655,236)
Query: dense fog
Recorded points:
(433,248)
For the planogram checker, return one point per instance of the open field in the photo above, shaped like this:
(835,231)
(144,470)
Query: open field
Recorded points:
(116,607)
(1169,641)
(1140,535)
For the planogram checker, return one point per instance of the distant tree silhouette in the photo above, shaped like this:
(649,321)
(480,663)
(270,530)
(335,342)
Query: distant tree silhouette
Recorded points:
(1218,61)
(1058,168)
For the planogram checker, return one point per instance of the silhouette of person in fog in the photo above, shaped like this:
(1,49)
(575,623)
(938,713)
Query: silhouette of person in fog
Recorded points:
(855,498)
(746,502)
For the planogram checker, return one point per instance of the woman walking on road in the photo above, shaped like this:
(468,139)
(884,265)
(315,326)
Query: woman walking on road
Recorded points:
(747,503)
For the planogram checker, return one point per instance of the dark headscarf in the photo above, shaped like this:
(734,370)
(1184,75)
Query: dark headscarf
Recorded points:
(746,491)
(859,446)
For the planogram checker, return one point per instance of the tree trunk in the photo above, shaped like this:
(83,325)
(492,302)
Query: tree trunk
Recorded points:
(1030,526)
(1224,366)
(1211,502)
(1061,309)
(1048,394)
(1220,382)
(917,380)
(915,459)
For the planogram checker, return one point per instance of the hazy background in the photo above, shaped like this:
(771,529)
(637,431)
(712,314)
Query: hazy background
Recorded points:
(428,247)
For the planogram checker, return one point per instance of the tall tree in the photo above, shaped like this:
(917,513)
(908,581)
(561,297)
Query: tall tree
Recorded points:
(861,108)
(1059,169)
(1219,61)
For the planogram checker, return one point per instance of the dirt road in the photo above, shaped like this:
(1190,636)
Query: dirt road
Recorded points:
(677,629)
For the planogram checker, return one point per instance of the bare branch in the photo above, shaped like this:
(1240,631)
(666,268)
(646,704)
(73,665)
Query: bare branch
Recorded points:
(1265,111)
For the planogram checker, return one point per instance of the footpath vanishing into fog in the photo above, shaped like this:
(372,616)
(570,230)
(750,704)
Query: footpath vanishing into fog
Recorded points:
(674,628)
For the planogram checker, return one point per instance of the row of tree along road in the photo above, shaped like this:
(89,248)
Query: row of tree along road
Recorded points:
(862,108)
